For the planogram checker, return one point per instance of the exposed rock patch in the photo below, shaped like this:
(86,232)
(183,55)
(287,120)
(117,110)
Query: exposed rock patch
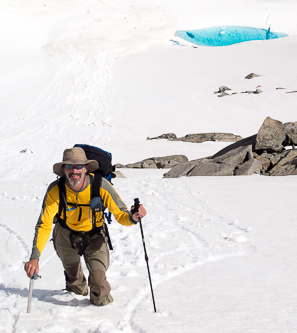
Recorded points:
(263,153)
(157,162)
(201,137)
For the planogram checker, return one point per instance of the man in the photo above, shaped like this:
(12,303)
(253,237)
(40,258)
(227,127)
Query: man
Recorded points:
(69,237)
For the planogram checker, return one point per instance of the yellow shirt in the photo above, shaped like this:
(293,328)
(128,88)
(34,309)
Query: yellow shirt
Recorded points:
(80,218)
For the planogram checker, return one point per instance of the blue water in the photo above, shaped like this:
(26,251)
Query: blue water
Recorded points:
(226,35)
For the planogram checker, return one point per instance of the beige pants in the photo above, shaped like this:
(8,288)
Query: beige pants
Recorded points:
(96,257)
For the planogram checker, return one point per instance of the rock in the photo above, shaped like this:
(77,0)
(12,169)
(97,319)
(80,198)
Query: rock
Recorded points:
(265,162)
(159,162)
(120,166)
(211,168)
(250,167)
(180,170)
(274,159)
(285,170)
(225,137)
(251,140)
(169,136)
(222,165)
(202,137)
(223,94)
(291,134)
(257,91)
(222,89)
(251,76)
(26,151)
(235,156)
(270,136)
(119,174)
(289,157)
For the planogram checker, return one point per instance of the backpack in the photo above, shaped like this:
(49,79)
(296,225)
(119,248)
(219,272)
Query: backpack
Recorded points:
(106,170)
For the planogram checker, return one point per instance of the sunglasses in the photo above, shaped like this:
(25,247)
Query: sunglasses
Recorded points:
(76,166)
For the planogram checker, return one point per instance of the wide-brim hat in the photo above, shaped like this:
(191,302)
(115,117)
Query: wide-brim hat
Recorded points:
(74,155)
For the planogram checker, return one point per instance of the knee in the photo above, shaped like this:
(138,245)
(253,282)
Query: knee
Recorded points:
(98,283)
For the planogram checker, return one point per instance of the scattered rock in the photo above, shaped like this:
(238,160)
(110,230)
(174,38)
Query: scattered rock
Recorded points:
(251,76)
(157,162)
(257,91)
(223,94)
(169,136)
(26,151)
(201,137)
(222,90)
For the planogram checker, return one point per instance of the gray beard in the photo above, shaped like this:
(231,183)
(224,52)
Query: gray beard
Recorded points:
(72,183)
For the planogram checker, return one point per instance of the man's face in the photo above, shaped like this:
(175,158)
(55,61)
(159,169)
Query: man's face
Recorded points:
(75,173)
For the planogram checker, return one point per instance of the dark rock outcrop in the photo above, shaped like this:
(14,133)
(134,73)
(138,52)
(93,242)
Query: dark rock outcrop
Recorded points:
(262,153)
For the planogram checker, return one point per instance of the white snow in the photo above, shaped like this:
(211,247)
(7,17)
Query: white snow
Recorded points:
(222,250)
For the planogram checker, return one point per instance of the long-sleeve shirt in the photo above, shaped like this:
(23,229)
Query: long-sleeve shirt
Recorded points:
(50,208)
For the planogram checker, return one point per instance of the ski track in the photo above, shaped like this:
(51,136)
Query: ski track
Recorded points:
(210,237)
(207,249)
(81,95)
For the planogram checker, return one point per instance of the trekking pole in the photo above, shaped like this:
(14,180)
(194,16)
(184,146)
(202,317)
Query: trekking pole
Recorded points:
(34,277)
(136,208)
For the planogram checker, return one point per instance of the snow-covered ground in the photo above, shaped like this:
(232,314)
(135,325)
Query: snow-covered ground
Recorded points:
(221,249)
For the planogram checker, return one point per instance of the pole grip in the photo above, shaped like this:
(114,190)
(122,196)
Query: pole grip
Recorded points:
(136,206)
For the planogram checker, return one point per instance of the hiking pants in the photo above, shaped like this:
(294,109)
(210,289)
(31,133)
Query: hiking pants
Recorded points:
(96,257)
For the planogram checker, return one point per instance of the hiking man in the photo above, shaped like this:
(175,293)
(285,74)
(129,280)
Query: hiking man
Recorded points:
(78,233)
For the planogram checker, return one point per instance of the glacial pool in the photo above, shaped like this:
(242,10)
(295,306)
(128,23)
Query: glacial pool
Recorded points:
(226,35)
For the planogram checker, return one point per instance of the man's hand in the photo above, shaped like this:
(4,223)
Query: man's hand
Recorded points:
(140,214)
(31,266)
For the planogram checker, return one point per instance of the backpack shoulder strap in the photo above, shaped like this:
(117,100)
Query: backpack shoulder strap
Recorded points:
(62,197)
(96,184)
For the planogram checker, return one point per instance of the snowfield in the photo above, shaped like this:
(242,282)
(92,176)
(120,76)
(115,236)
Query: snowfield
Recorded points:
(222,250)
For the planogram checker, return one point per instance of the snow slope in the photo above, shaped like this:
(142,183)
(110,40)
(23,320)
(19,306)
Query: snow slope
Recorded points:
(111,74)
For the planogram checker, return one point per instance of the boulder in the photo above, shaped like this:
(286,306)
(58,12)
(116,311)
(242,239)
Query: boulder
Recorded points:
(287,159)
(210,168)
(236,156)
(251,140)
(180,170)
(265,162)
(251,167)
(270,136)
(291,134)
(285,170)
(221,165)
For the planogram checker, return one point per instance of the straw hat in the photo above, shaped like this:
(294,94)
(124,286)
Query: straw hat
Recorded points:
(74,155)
